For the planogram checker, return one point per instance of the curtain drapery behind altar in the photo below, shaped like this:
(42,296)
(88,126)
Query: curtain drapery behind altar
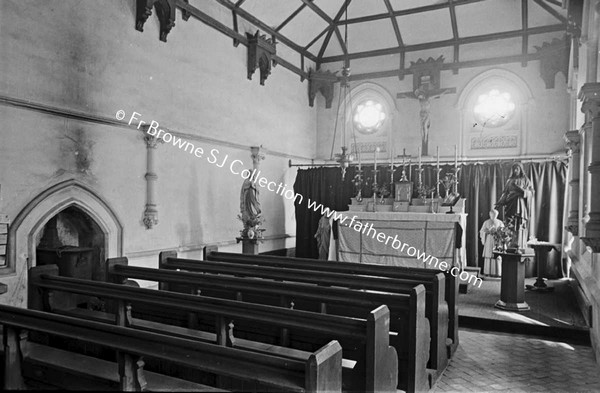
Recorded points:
(480,183)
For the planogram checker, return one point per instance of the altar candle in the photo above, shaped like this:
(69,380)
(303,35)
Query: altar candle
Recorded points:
(392,167)
(419,154)
(375,166)
(359,167)
(438,158)
(455,157)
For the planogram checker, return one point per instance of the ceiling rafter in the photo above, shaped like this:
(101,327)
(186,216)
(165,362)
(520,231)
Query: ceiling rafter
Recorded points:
(524,26)
(267,29)
(454,23)
(551,11)
(409,11)
(311,43)
(289,18)
(394,22)
(336,20)
(443,43)
(329,21)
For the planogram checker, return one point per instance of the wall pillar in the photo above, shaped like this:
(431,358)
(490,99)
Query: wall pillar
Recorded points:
(573,143)
(590,97)
(150,218)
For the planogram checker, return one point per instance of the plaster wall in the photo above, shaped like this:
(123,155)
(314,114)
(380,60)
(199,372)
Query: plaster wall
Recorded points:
(542,117)
(87,57)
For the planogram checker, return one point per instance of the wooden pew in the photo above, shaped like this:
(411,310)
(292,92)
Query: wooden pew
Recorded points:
(436,307)
(411,329)
(376,369)
(321,373)
(211,253)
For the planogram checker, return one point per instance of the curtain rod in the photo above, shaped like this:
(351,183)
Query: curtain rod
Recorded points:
(431,160)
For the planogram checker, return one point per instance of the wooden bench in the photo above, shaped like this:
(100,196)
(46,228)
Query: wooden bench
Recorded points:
(436,309)
(367,338)
(321,373)
(409,329)
(211,253)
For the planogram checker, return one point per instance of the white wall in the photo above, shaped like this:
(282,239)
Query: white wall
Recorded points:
(87,57)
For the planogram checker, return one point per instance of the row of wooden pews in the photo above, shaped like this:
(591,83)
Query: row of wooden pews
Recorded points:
(29,364)
(394,327)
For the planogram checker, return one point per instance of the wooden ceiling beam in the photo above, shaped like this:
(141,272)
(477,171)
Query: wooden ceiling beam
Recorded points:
(551,11)
(449,66)
(215,24)
(312,42)
(394,22)
(329,21)
(289,18)
(266,28)
(409,11)
(454,23)
(443,43)
(336,20)
(524,25)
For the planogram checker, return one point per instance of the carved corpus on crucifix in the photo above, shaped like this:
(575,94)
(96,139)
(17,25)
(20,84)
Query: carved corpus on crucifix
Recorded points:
(426,85)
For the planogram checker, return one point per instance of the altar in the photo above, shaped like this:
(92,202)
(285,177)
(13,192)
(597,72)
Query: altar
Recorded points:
(437,234)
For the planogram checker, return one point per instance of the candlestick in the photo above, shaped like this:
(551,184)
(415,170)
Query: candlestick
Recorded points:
(419,154)
(391,170)
(455,157)
(359,163)
(437,172)
(375,167)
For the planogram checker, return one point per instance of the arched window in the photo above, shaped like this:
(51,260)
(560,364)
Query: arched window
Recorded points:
(368,116)
(494,108)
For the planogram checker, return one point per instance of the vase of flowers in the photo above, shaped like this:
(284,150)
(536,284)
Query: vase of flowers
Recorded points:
(252,230)
(504,236)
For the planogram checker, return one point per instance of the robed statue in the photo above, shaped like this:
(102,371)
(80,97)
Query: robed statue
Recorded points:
(517,201)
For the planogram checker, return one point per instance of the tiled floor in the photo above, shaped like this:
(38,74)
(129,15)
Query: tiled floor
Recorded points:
(558,308)
(490,362)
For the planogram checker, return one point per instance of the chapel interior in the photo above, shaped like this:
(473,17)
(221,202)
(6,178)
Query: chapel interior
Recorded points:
(300,195)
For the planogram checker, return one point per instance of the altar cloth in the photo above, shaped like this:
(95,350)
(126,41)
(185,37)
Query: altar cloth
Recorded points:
(428,233)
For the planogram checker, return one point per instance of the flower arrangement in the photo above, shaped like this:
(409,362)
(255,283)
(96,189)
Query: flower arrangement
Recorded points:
(252,229)
(423,191)
(504,236)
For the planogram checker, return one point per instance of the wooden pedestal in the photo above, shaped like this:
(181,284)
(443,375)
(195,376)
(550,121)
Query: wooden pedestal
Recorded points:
(249,246)
(512,287)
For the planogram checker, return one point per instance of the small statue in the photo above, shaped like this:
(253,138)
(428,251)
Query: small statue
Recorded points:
(323,237)
(491,266)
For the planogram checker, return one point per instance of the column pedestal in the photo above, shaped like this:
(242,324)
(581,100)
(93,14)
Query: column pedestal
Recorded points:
(512,286)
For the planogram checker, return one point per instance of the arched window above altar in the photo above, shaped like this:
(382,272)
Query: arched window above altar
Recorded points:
(494,108)
(368,116)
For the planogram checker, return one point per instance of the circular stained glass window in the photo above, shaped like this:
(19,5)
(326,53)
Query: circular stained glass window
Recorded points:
(368,116)
(494,109)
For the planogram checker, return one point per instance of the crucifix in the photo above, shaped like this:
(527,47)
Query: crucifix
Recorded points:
(426,86)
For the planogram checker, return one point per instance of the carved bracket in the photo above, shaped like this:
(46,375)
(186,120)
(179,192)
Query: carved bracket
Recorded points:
(554,58)
(426,73)
(573,140)
(323,82)
(590,97)
(165,10)
(260,55)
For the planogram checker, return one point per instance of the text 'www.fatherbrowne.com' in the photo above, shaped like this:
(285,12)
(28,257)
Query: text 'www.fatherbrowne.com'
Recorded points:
(237,167)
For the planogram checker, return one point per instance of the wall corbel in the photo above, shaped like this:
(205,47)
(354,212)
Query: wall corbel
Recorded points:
(165,11)
(319,81)
(260,55)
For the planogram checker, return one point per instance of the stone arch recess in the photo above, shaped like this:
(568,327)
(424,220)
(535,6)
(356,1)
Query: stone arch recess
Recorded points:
(33,217)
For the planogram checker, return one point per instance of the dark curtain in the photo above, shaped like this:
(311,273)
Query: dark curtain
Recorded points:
(480,184)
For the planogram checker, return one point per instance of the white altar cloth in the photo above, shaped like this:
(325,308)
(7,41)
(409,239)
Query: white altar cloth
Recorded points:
(434,234)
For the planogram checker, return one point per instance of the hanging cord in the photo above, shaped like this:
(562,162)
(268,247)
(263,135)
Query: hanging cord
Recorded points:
(336,124)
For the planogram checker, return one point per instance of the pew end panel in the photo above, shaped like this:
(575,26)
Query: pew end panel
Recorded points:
(208,250)
(162,259)
(419,343)
(111,275)
(439,308)
(324,369)
(381,358)
(37,298)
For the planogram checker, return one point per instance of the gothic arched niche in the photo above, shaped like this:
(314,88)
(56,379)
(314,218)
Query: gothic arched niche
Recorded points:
(494,111)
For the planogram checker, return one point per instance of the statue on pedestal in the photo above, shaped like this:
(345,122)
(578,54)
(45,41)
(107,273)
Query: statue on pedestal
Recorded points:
(517,199)
(250,210)
(491,266)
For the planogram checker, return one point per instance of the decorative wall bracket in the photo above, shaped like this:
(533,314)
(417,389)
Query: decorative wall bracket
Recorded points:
(319,81)
(165,10)
(260,55)
(554,58)
(426,73)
